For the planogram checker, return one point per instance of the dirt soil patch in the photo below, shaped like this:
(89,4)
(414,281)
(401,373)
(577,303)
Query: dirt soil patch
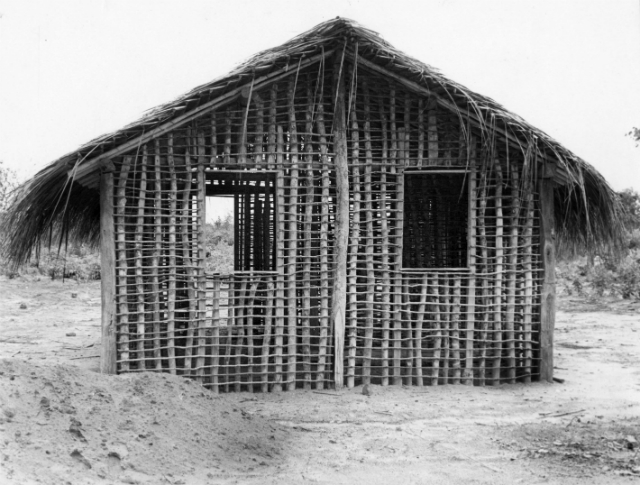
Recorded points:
(61,422)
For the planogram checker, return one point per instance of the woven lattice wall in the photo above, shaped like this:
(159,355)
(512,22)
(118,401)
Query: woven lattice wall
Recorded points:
(462,306)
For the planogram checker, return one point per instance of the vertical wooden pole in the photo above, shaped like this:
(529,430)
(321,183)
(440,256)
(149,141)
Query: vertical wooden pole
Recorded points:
(265,229)
(280,247)
(186,226)
(397,158)
(108,351)
(437,330)
(406,369)
(239,308)
(237,244)
(528,280)
(384,260)
(171,294)
(257,144)
(246,228)
(548,302)
(215,340)
(467,375)
(157,258)
(432,127)
(227,138)
(497,302)
(268,319)
(369,256)
(213,156)
(250,305)
(484,269)
(420,159)
(123,270)
(341,248)
(396,278)
(308,228)
(418,337)
(292,256)
(455,331)
(405,161)
(445,283)
(138,252)
(202,279)
(324,342)
(271,147)
(354,249)
(258,237)
(512,273)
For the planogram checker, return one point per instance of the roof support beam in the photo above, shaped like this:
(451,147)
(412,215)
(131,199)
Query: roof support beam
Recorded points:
(79,172)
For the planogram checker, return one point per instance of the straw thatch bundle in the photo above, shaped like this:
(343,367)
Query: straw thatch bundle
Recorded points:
(587,208)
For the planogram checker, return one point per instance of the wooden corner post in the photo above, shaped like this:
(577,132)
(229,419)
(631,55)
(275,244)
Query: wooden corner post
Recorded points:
(108,354)
(339,301)
(548,299)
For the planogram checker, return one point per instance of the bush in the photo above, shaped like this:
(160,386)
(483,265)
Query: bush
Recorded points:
(80,263)
(84,267)
(618,278)
(219,245)
(609,276)
(629,276)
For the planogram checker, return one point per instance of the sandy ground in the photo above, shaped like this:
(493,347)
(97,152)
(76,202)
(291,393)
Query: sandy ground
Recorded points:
(63,423)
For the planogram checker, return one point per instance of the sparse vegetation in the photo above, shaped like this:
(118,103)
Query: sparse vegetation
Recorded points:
(219,245)
(82,262)
(607,275)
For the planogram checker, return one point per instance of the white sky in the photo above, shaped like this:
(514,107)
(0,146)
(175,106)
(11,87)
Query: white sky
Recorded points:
(73,70)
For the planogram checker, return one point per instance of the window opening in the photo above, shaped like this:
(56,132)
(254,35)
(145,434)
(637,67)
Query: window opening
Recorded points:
(249,230)
(436,212)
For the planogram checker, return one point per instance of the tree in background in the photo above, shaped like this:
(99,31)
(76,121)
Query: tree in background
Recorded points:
(635,134)
(8,184)
(617,276)
(220,232)
(622,275)
(630,200)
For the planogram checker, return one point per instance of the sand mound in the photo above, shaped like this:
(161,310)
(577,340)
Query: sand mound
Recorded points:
(63,424)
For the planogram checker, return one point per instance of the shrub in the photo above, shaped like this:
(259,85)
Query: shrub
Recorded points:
(619,278)
(219,245)
(629,276)
(80,263)
(608,276)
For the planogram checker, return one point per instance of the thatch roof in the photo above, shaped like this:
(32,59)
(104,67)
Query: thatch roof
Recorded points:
(587,208)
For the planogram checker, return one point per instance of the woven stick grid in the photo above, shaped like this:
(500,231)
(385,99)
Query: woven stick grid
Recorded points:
(267,326)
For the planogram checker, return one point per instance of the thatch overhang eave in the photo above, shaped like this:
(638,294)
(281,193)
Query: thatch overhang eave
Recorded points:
(52,210)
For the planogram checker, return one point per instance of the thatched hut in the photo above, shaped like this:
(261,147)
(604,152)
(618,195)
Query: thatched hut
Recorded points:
(391,226)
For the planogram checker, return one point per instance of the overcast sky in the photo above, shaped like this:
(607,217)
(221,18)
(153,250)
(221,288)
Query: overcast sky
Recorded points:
(73,70)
